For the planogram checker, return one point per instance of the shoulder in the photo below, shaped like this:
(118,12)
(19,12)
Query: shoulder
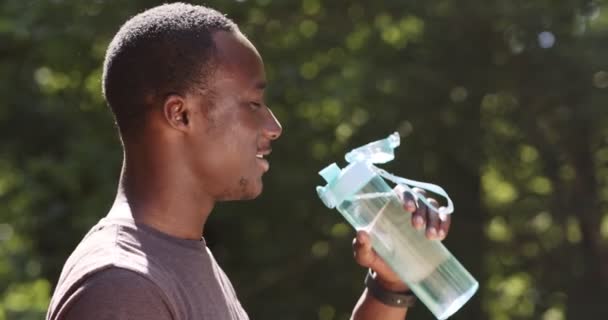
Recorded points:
(124,280)
(117,293)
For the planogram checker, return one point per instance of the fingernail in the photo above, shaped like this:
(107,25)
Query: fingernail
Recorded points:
(441,234)
(360,236)
(432,233)
(418,222)
(411,205)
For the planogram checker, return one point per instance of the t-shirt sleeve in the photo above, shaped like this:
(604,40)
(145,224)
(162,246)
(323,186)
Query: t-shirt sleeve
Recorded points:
(117,294)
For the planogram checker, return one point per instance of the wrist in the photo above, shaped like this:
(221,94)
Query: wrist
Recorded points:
(390,285)
(391,293)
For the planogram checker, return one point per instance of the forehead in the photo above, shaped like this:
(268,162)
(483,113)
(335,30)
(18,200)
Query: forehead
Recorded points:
(238,60)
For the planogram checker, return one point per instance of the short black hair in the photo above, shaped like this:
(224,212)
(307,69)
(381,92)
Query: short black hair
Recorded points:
(164,50)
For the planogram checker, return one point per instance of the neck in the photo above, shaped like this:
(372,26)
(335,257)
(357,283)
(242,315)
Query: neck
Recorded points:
(166,201)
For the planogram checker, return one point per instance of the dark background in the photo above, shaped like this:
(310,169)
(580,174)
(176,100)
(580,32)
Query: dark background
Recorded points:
(501,102)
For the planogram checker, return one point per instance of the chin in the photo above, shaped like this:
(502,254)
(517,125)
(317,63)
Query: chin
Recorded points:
(247,194)
(245,191)
(254,193)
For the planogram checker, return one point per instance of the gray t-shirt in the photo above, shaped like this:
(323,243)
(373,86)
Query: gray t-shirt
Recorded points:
(123,270)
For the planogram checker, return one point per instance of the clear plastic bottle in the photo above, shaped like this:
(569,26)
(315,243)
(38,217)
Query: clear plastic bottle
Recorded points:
(368,203)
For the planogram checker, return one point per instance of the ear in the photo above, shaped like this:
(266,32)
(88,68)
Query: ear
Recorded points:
(176,112)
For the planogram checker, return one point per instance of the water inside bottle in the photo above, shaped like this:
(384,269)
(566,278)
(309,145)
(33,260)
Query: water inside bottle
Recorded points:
(454,285)
(432,273)
(392,228)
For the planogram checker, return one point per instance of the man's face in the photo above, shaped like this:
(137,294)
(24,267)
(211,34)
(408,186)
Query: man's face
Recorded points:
(229,149)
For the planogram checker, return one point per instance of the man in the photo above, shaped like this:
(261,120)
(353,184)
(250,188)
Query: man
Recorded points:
(186,88)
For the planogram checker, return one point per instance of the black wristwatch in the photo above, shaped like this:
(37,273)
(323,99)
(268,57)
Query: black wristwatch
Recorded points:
(404,299)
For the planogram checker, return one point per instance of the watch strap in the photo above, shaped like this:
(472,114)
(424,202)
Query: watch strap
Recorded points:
(402,299)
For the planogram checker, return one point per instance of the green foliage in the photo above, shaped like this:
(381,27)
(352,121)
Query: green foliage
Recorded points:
(501,102)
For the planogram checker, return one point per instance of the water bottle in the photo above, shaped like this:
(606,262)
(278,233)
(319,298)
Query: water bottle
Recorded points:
(368,203)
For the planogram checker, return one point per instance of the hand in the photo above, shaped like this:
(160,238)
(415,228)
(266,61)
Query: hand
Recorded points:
(422,217)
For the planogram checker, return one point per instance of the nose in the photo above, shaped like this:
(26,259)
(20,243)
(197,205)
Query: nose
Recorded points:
(272,128)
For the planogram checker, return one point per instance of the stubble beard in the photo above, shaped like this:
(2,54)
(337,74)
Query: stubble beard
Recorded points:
(242,192)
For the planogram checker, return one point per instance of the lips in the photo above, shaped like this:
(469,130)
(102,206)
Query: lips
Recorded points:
(260,158)
(262,153)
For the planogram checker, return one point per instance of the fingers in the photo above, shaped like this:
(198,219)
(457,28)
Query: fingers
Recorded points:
(416,207)
(423,216)
(444,227)
(432,221)
(436,228)
(408,198)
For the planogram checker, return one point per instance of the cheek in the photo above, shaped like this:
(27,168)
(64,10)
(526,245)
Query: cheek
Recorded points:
(220,159)
(226,150)
(229,155)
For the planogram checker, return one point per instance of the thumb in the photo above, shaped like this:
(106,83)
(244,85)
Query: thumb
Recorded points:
(362,249)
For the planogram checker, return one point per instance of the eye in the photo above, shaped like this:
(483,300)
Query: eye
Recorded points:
(255,105)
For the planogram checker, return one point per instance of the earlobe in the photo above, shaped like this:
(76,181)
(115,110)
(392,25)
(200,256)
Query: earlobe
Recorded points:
(175,111)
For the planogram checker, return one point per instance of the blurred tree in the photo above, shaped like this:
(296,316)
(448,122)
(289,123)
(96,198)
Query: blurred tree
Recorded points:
(543,175)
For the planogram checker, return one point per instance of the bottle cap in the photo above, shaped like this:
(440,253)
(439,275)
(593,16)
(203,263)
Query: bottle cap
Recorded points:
(380,151)
(343,184)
